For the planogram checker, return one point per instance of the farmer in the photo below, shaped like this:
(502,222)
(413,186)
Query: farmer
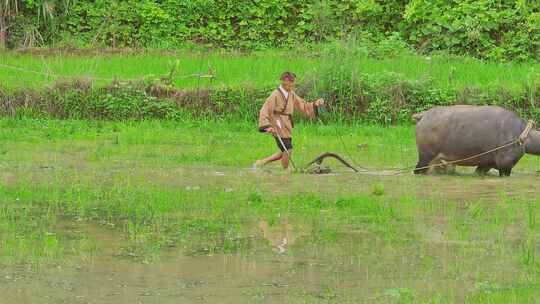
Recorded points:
(275,118)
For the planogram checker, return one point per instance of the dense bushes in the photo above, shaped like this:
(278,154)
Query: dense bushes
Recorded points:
(228,23)
(382,99)
(493,29)
(485,28)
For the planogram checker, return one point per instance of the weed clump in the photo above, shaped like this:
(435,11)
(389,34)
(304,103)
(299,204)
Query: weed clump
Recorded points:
(378,189)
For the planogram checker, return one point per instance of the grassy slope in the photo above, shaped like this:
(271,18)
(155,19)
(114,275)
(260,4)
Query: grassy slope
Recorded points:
(261,68)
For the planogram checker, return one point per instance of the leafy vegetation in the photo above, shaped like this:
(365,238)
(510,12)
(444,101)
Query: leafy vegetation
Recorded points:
(497,30)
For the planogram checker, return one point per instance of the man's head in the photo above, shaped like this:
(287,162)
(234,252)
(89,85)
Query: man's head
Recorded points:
(287,81)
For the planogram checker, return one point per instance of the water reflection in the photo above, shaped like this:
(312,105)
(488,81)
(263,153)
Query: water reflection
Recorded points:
(280,236)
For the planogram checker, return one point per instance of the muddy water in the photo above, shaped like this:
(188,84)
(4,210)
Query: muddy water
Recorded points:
(274,276)
(358,271)
(358,266)
(463,186)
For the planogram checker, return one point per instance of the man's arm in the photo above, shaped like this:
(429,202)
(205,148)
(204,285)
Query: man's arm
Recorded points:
(308,109)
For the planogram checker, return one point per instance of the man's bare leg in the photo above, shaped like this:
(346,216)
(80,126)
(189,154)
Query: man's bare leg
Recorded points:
(269,159)
(285,159)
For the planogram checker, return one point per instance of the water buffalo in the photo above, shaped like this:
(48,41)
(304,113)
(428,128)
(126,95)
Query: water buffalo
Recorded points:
(446,134)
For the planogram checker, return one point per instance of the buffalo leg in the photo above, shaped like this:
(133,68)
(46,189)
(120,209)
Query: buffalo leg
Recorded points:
(482,170)
(505,172)
(505,163)
(423,161)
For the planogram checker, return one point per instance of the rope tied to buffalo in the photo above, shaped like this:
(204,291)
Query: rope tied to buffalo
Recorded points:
(525,133)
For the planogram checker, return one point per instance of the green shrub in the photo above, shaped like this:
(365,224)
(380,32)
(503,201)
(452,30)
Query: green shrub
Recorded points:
(485,29)
(497,30)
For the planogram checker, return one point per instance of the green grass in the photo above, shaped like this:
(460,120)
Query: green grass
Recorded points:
(186,187)
(262,68)
(208,143)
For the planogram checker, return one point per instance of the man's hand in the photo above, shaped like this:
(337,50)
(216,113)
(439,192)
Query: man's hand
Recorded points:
(271,131)
(319,102)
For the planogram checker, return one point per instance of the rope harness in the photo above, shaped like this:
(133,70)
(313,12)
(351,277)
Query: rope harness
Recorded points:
(525,133)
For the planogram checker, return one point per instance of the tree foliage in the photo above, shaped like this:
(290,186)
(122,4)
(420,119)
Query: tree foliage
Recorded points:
(492,29)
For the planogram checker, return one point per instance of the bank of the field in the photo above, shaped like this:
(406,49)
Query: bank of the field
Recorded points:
(371,98)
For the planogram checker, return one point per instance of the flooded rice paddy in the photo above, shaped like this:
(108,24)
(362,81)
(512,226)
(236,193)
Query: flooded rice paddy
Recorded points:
(120,221)
(438,252)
